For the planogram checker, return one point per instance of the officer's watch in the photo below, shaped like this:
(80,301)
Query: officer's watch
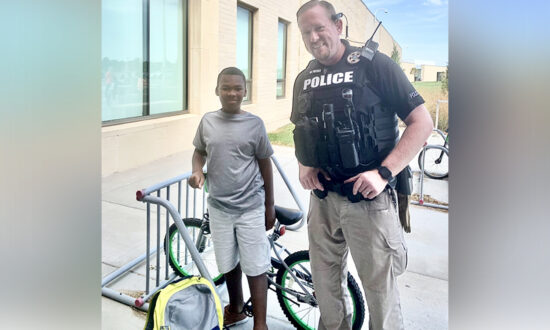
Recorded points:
(385,173)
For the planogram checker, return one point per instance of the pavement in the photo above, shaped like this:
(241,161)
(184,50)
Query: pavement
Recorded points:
(423,287)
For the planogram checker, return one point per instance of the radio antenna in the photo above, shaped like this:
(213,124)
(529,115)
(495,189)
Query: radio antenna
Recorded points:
(379,23)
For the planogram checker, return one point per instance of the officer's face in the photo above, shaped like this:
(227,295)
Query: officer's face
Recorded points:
(321,35)
(231,90)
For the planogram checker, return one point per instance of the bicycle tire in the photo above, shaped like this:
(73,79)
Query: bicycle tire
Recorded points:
(311,313)
(433,168)
(188,266)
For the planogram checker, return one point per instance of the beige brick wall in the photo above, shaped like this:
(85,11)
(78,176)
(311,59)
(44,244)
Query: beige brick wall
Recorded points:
(407,68)
(429,72)
(386,42)
(211,42)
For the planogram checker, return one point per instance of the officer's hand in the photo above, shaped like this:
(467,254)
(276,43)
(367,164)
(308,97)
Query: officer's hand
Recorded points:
(368,183)
(196,180)
(269,217)
(309,179)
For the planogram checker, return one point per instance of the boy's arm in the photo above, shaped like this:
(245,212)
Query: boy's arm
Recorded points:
(196,180)
(267,174)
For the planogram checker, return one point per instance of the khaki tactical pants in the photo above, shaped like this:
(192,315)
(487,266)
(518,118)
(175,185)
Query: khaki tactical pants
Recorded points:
(372,232)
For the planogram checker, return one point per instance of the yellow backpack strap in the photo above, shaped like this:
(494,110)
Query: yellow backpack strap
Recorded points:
(219,308)
(150,323)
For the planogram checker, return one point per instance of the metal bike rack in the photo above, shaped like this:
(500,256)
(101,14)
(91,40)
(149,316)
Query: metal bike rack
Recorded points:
(154,195)
(421,199)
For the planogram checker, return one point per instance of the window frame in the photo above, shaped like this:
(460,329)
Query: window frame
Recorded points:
(249,81)
(285,57)
(146,61)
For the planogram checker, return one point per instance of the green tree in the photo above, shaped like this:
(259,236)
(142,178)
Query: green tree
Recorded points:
(395,54)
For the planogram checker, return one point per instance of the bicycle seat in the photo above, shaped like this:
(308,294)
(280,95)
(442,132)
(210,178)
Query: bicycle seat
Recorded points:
(286,216)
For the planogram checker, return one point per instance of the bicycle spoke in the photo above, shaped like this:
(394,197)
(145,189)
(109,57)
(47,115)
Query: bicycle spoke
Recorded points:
(180,256)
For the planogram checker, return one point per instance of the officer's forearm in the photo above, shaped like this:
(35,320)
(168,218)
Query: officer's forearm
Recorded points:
(419,127)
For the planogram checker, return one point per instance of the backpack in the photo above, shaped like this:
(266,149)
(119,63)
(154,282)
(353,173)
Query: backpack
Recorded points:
(189,303)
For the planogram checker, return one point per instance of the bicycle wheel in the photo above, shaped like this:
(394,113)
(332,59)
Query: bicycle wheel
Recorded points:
(180,258)
(301,313)
(436,163)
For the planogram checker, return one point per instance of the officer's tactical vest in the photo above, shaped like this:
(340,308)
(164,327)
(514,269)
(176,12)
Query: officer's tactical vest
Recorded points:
(374,126)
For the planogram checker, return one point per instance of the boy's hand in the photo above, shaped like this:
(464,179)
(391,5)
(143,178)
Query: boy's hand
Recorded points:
(196,180)
(269,217)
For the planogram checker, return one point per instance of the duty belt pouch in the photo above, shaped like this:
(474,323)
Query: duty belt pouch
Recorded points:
(306,137)
(404,215)
(404,189)
(404,183)
(322,151)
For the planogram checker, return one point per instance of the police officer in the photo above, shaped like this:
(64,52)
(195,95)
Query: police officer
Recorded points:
(345,108)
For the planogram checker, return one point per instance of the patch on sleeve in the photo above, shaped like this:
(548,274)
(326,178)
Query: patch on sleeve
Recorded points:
(413,94)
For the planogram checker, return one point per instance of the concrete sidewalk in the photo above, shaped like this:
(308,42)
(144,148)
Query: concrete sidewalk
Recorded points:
(423,287)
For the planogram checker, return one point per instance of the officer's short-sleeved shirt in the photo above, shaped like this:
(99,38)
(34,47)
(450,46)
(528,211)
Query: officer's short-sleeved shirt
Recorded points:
(386,77)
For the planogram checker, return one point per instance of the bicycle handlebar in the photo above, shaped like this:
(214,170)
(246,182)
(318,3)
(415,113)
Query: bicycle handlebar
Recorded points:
(141,194)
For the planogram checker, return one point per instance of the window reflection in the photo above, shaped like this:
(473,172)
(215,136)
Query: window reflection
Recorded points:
(122,59)
(244,47)
(123,85)
(281,60)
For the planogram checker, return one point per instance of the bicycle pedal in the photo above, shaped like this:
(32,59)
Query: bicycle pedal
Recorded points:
(247,310)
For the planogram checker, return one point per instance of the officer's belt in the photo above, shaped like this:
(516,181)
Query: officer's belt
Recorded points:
(341,188)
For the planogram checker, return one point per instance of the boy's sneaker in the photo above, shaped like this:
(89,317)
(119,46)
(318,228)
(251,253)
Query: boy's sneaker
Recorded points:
(230,318)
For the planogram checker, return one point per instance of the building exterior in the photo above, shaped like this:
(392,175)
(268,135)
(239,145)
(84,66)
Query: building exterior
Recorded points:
(423,72)
(152,110)
(409,69)
(433,72)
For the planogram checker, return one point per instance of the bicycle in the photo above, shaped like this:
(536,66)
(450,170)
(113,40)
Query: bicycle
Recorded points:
(436,159)
(293,282)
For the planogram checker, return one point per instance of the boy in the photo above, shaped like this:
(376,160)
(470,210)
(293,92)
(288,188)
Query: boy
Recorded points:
(240,201)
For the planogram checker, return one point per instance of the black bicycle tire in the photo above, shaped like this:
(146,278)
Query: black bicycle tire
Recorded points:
(427,173)
(190,223)
(357,296)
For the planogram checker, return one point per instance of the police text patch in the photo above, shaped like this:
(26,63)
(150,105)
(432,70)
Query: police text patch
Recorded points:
(329,79)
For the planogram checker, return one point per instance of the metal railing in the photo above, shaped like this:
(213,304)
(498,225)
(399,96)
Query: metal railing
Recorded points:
(421,180)
(162,195)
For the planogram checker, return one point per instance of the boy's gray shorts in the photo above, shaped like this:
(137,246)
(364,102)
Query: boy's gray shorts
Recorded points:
(240,238)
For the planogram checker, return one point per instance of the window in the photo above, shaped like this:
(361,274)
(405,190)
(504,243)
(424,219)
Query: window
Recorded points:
(417,74)
(244,47)
(144,59)
(440,76)
(281,60)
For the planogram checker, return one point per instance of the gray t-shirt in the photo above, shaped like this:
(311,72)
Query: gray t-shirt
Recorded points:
(232,143)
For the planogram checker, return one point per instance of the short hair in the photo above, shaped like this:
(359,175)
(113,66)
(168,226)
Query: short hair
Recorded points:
(231,71)
(312,3)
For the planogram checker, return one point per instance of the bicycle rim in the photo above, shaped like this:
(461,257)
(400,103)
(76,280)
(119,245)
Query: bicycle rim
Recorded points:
(436,163)
(305,315)
(180,257)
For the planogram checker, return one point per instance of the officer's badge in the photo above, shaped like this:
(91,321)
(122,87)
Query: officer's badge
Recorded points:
(354,57)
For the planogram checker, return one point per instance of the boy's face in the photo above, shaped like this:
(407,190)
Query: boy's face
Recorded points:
(231,90)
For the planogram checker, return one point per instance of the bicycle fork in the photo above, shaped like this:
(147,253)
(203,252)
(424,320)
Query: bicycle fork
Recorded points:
(306,297)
